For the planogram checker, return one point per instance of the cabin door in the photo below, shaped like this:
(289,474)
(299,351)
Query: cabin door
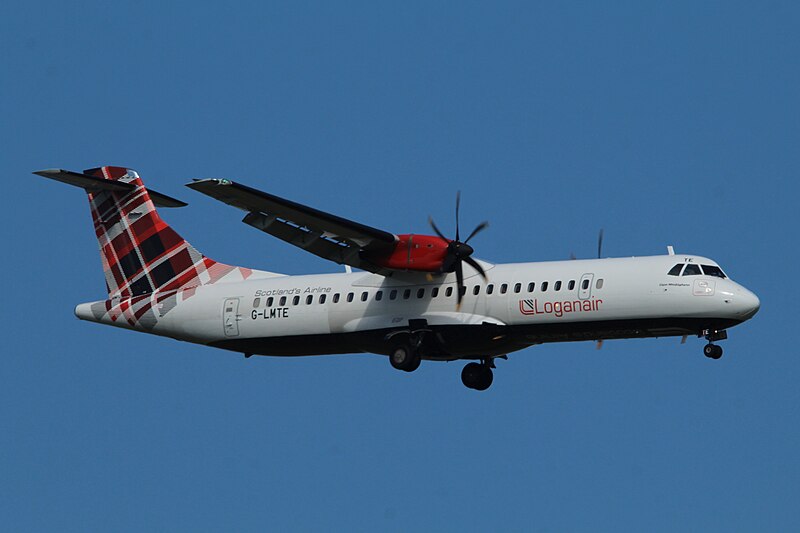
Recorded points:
(230,317)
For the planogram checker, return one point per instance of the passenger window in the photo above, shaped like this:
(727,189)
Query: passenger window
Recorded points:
(503,288)
(364,296)
(295,300)
(269,301)
(434,292)
(531,286)
(322,298)
(283,301)
(393,294)
(585,284)
(692,270)
(599,284)
(378,296)
(715,271)
(420,293)
(448,292)
(476,289)
(557,286)
(571,285)
(350,297)
(490,288)
(676,270)
(406,294)
(336,298)
(544,286)
(256,302)
(309,299)
(517,287)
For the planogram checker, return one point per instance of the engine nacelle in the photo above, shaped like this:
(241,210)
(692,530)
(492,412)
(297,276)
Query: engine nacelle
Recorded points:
(423,253)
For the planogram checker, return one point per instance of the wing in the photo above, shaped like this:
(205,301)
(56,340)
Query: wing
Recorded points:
(323,234)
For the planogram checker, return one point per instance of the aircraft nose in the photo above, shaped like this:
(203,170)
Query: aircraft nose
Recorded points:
(748,303)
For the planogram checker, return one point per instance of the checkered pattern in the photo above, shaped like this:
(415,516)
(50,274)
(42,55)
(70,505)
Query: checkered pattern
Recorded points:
(146,263)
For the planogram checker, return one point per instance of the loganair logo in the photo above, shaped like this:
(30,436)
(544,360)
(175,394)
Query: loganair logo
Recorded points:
(559,309)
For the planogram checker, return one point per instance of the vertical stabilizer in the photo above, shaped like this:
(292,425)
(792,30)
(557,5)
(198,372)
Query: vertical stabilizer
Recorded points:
(141,254)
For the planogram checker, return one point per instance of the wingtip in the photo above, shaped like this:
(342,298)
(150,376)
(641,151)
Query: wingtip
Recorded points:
(47,172)
(197,183)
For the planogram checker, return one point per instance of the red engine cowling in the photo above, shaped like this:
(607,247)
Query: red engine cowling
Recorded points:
(424,253)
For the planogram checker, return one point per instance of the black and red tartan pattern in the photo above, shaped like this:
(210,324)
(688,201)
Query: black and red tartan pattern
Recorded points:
(145,261)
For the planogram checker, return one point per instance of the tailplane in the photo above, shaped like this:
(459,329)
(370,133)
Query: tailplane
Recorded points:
(141,254)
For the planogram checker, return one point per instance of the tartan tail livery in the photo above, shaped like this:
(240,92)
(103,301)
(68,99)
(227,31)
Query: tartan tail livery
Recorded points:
(149,268)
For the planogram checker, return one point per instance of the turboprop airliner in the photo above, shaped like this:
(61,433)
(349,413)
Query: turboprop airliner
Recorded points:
(412,297)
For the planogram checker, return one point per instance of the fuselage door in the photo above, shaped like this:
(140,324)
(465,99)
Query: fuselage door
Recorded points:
(585,287)
(230,317)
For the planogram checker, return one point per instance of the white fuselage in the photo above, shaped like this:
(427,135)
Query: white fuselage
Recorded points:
(538,302)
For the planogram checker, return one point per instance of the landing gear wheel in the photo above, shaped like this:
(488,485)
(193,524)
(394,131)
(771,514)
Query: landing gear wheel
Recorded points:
(477,376)
(403,357)
(712,351)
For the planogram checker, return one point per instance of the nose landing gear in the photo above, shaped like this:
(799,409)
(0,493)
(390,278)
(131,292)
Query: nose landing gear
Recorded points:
(711,350)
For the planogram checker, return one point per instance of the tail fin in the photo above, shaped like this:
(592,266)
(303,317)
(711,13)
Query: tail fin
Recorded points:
(141,253)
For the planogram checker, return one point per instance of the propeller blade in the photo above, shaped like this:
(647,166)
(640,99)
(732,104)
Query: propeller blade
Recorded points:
(408,244)
(448,265)
(477,266)
(458,207)
(439,233)
(600,243)
(479,228)
(459,284)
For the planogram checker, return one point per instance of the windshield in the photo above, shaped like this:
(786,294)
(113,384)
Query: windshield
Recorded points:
(715,271)
(692,269)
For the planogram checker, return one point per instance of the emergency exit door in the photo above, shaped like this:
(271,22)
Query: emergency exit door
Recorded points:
(585,287)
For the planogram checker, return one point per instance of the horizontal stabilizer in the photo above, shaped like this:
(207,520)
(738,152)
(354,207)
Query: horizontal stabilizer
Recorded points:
(94,184)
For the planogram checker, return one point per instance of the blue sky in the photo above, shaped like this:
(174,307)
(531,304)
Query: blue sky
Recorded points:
(664,124)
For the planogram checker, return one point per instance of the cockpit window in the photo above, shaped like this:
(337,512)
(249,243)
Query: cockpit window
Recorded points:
(715,271)
(676,270)
(692,270)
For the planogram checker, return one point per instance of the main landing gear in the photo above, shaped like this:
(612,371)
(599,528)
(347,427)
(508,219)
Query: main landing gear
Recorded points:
(478,376)
(404,357)
(711,350)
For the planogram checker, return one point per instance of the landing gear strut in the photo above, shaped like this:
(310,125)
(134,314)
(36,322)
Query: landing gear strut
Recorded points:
(478,376)
(711,350)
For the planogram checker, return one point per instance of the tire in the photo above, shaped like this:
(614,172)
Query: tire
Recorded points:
(399,356)
(708,350)
(471,375)
(485,378)
(414,363)
(404,358)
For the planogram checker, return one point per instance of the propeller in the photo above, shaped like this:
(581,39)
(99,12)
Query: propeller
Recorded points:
(459,252)
(600,243)
(599,247)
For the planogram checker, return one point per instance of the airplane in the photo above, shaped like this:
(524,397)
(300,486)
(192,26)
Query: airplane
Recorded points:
(412,297)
